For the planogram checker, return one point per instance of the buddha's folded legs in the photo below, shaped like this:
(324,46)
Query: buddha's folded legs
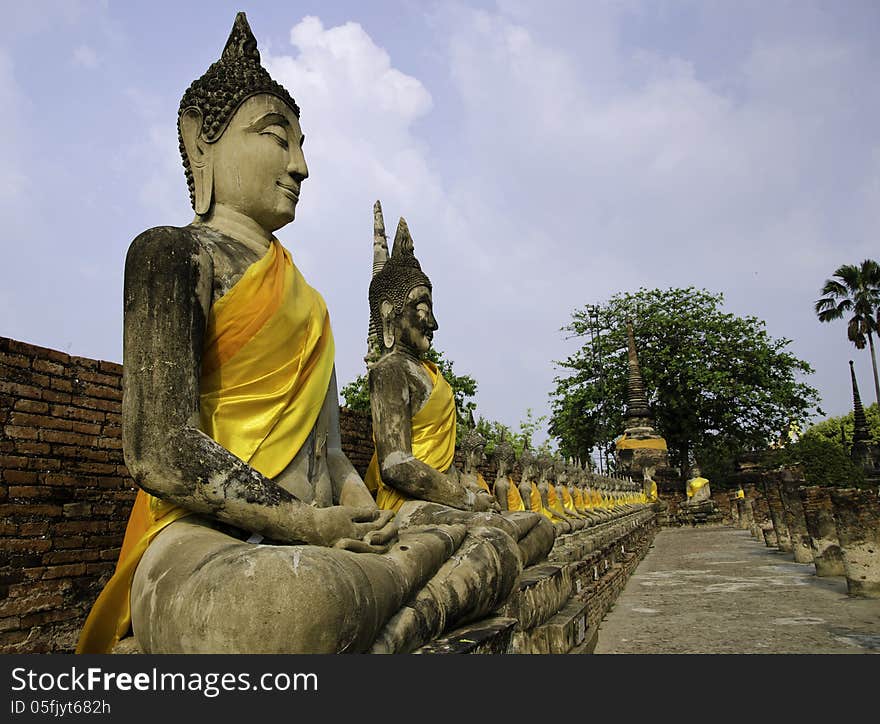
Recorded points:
(533,532)
(475,581)
(198,590)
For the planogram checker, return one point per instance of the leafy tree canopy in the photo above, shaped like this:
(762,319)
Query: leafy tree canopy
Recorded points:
(718,384)
(356,394)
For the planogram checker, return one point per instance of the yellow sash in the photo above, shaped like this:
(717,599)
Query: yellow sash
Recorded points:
(481,481)
(694,485)
(651,443)
(653,495)
(514,499)
(266,367)
(579,504)
(567,500)
(740,494)
(433,440)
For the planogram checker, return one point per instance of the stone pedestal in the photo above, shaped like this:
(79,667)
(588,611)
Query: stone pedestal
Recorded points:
(819,516)
(857,517)
(794,517)
(769,535)
(777,515)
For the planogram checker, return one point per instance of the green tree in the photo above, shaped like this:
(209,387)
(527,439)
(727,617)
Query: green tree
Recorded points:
(854,292)
(356,394)
(493,430)
(835,428)
(823,461)
(718,383)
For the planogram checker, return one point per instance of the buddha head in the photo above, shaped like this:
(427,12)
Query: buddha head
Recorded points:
(528,464)
(472,446)
(504,456)
(240,138)
(560,470)
(401,305)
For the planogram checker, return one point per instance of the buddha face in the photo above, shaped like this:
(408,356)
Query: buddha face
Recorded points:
(417,324)
(257,166)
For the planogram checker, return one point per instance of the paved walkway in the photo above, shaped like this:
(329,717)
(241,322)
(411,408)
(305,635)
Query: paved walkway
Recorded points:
(717,590)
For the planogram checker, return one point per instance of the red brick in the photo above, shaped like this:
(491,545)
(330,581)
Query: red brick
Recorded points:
(22,433)
(95,404)
(110,443)
(76,541)
(20,477)
(32,448)
(29,545)
(8,529)
(30,491)
(19,390)
(76,510)
(111,368)
(8,462)
(29,604)
(77,413)
(67,438)
(31,406)
(44,465)
(71,556)
(56,396)
(102,391)
(52,368)
(15,360)
(112,431)
(114,381)
(81,526)
(15,510)
(68,571)
(85,363)
(37,619)
(62,479)
(99,568)
(26,529)
(61,385)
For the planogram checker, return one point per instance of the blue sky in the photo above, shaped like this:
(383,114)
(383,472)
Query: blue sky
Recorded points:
(546,155)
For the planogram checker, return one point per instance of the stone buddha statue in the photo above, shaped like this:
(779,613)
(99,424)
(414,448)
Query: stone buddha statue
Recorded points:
(549,497)
(473,447)
(414,417)
(697,489)
(507,495)
(251,531)
(562,471)
(531,496)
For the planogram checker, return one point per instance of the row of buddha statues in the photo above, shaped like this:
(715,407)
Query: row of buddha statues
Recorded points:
(571,496)
(251,530)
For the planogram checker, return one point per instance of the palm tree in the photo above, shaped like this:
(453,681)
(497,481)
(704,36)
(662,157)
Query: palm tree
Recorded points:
(856,290)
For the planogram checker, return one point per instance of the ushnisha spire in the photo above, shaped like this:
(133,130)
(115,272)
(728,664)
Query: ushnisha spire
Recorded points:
(861,433)
(638,413)
(228,83)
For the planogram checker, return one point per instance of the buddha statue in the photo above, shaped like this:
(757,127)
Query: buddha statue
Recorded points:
(549,497)
(414,417)
(507,495)
(697,489)
(473,446)
(251,531)
(562,471)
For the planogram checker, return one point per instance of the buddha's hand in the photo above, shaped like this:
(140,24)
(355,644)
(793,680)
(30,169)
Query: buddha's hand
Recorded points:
(483,501)
(364,530)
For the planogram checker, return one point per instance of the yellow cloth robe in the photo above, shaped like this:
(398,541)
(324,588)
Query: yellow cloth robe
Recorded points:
(567,500)
(651,443)
(433,440)
(266,367)
(481,481)
(579,503)
(740,494)
(694,485)
(514,499)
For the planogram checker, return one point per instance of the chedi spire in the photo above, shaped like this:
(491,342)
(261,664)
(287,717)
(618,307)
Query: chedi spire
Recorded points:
(637,409)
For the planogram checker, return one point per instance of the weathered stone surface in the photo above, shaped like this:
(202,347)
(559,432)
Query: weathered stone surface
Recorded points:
(857,519)
(801,545)
(777,514)
(489,636)
(543,589)
(819,516)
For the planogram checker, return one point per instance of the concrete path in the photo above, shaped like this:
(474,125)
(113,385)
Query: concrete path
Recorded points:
(717,590)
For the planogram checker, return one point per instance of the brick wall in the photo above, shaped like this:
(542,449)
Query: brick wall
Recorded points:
(65,492)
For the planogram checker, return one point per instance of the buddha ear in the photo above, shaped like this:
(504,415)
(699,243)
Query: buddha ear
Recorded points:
(199,154)
(386,311)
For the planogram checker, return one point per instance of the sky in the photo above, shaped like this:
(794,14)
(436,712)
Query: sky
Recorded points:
(545,155)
